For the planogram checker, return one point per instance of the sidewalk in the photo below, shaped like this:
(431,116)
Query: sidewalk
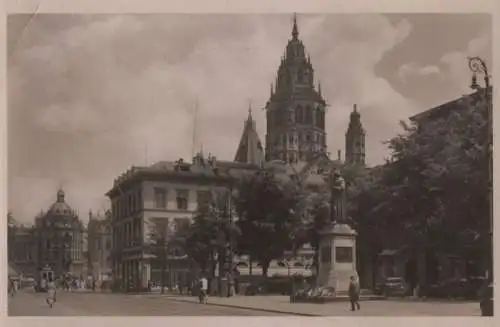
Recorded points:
(281,304)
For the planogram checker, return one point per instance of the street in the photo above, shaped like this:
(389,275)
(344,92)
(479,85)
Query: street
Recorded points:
(28,303)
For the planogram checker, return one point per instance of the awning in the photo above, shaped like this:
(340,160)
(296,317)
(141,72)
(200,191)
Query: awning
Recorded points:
(13,272)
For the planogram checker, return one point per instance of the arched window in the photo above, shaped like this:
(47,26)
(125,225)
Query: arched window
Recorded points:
(309,115)
(300,114)
(300,76)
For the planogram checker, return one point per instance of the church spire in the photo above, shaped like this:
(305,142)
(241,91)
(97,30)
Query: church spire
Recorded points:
(295,29)
(250,149)
(355,139)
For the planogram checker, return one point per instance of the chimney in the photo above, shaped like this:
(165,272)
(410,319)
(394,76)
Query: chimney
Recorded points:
(339,155)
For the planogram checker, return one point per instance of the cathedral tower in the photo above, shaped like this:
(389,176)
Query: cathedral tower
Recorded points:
(295,110)
(355,140)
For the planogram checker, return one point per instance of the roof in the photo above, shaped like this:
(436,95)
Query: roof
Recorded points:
(442,110)
(201,170)
(60,207)
(13,271)
(250,149)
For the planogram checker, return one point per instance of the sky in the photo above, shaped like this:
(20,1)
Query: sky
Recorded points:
(91,95)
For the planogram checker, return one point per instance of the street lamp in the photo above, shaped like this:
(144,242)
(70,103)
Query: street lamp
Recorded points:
(478,66)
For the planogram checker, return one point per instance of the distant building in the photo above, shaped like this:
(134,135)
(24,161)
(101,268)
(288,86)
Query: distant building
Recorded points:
(21,247)
(99,246)
(59,237)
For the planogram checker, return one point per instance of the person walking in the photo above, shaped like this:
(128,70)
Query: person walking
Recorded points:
(51,293)
(203,289)
(354,290)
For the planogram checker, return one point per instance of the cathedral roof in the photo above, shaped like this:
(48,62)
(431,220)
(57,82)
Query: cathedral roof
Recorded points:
(250,149)
(60,207)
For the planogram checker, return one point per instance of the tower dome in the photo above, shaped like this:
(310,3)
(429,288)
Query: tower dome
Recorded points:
(60,207)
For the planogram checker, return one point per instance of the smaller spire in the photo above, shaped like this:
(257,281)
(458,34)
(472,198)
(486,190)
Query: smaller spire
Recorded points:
(90,214)
(295,30)
(250,111)
(319,88)
(355,108)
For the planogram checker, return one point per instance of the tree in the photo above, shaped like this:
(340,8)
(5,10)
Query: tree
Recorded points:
(268,219)
(432,194)
(160,233)
(209,232)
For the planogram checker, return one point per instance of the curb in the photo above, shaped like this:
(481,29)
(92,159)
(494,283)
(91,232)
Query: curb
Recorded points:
(250,308)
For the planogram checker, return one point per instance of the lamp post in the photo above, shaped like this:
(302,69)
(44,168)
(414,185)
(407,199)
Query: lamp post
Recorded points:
(478,66)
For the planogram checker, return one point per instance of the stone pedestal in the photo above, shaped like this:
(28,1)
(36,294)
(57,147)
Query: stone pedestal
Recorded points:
(337,257)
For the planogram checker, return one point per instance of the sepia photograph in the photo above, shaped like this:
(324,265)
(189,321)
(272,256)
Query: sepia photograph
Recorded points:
(280,164)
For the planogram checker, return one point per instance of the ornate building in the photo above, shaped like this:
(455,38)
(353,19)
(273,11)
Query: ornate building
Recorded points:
(296,109)
(296,113)
(59,237)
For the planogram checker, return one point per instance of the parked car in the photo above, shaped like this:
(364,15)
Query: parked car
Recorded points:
(391,286)
(254,289)
(456,288)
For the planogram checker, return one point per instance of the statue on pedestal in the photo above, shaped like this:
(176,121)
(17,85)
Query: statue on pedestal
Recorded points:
(338,200)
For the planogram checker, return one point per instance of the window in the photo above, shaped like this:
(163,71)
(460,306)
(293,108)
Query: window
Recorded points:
(160,198)
(98,245)
(343,254)
(182,199)
(309,115)
(139,200)
(203,198)
(108,244)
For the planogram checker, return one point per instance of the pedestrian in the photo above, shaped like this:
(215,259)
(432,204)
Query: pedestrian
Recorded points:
(203,289)
(12,288)
(51,293)
(354,293)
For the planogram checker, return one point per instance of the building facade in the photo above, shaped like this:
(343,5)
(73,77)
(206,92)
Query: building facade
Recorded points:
(21,249)
(59,237)
(166,196)
(99,246)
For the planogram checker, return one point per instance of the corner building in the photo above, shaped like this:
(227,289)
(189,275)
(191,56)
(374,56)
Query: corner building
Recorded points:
(163,194)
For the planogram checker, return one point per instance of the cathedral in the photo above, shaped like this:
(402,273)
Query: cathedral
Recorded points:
(295,116)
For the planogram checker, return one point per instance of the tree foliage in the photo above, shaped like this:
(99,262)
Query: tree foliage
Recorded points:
(267,210)
(434,191)
(210,231)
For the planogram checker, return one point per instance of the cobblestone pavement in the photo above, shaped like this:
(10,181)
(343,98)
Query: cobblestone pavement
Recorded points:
(89,304)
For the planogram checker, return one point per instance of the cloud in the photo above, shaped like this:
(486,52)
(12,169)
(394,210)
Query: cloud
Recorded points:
(457,65)
(414,69)
(90,96)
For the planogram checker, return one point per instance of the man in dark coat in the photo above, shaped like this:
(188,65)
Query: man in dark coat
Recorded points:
(354,293)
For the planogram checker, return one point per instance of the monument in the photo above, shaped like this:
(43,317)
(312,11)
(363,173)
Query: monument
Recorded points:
(337,246)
